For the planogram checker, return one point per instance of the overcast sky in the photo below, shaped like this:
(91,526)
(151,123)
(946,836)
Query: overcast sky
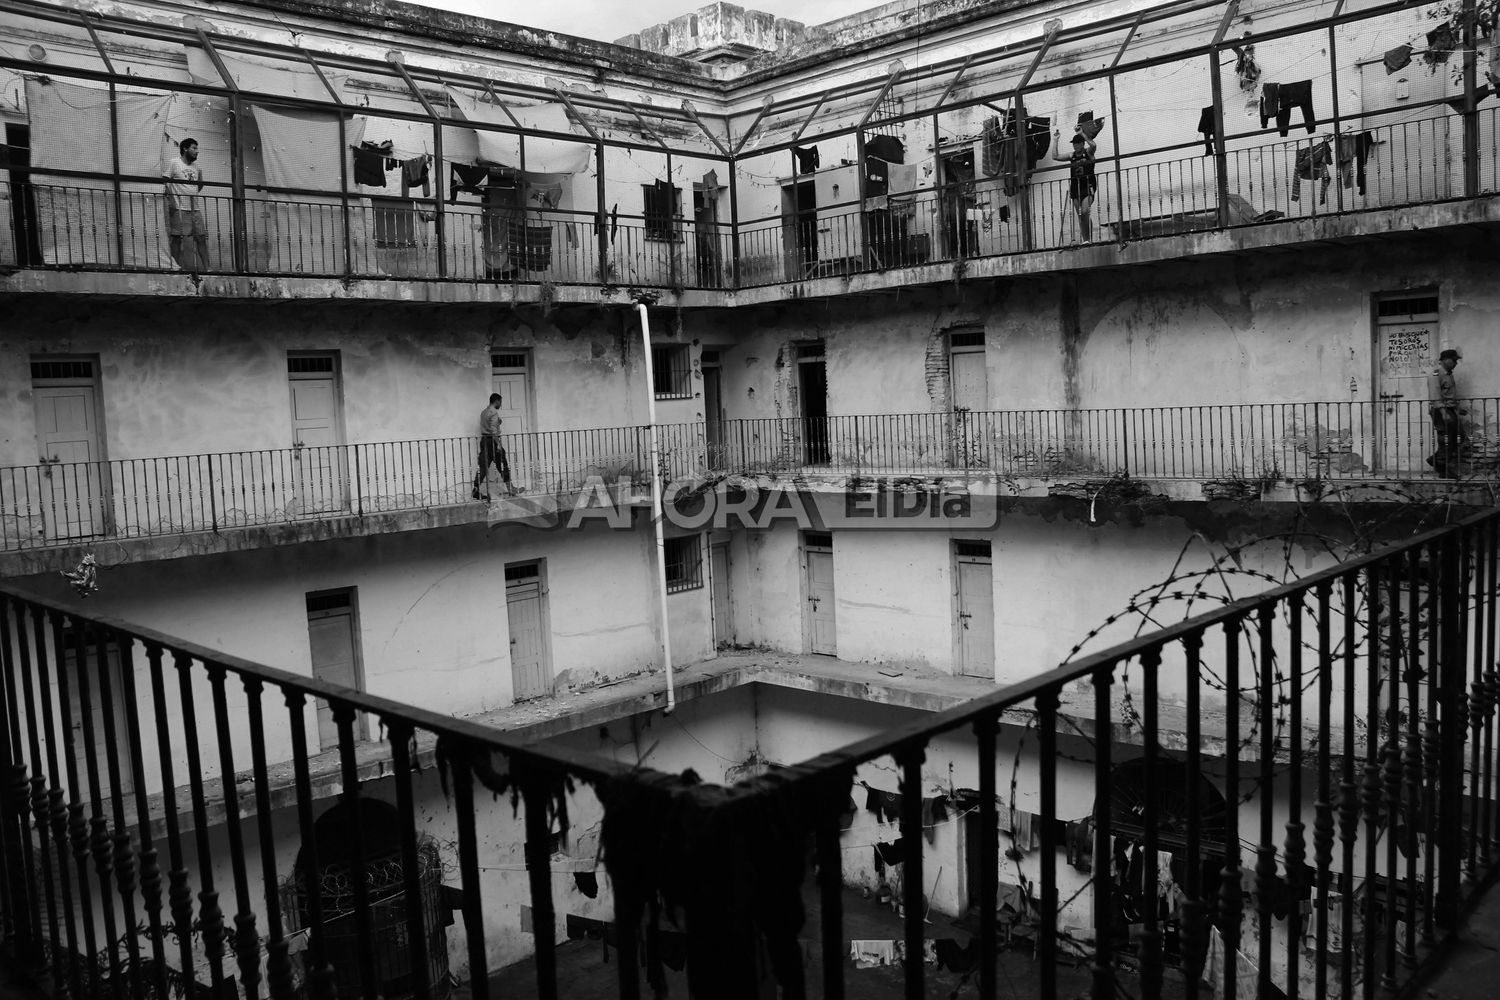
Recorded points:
(607,20)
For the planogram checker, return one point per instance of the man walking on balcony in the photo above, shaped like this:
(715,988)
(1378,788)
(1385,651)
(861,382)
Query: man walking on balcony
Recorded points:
(187,235)
(490,452)
(1448,428)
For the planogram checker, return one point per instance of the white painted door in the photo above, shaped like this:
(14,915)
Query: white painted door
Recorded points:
(531,676)
(510,376)
(971,393)
(335,657)
(976,611)
(1406,349)
(823,632)
(72,484)
(718,563)
(317,437)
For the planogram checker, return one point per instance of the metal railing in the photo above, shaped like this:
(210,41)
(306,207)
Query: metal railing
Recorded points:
(1298,788)
(71,222)
(57,503)
(62,502)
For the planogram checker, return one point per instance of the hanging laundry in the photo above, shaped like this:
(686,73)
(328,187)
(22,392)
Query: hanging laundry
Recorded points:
(1209,128)
(1038,140)
(711,187)
(1397,58)
(1312,164)
(587,883)
(1011,165)
(869,954)
(1010,899)
(993,135)
(369,163)
(1080,845)
(1289,96)
(929,828)
(414,174)
(1164,879)
(1270,103)
(465,177)
(807,158)
(546,195)
(886,147)
(1354,150)
(892,853)
(1441,41)
(1246,68)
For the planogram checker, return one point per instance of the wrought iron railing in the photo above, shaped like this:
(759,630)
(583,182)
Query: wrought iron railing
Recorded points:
(58,503)
(1298,788)
(76,221)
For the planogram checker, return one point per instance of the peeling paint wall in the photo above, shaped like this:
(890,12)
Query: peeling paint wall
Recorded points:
(431,609)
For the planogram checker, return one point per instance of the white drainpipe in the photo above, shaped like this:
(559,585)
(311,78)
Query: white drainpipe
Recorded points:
(657,516)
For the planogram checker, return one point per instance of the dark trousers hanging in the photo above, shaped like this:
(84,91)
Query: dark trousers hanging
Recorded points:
(1209,129)
(1295,95)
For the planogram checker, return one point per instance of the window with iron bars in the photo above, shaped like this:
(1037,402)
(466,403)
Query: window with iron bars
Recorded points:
(672,371)
(663,206)
(683,561)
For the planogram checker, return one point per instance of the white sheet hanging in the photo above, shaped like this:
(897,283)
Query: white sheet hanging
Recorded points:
(549,156)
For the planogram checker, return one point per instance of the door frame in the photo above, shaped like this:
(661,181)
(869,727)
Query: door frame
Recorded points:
(1381,460)
(958,558)
(960,423)
(94,382)
(340,447)
(807,353)
(809,542)
(544,616)
(713,596)
(364,722)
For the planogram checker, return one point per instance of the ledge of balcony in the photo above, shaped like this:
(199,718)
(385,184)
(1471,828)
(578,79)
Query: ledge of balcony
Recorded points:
(86,282)
(1288,234)
(903,686)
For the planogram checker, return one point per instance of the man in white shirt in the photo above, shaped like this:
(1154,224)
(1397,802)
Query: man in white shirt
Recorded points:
(186,232)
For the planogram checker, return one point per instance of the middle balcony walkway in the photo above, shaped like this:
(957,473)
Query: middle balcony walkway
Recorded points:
(249,499)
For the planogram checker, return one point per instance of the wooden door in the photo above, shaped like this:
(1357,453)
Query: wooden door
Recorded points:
(1406,349)
(718,564)
(334,645)
(318,467)
(822,625)
(510,376)
(73,482)
(970,387)
(531,675)
(976,610)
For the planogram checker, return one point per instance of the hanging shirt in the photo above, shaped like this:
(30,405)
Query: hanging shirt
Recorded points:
(184,181)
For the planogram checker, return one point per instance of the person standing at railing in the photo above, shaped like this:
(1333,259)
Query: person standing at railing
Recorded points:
(187,235)
(1448,428)
(490,451)
(1082,183)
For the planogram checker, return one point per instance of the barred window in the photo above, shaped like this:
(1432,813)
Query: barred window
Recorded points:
(671,371)
(684,563)
(663,206)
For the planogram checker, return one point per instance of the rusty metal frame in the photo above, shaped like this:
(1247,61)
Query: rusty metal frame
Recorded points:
(692,112)
(897,68)
(953,83)
(765,108)
(394,58)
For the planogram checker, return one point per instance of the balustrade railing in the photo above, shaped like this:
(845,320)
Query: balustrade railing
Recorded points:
(80,222)
(58,503)
(1293,794)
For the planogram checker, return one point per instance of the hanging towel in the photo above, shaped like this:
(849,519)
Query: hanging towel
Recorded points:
(993,136)
(1397,58)
(869,954)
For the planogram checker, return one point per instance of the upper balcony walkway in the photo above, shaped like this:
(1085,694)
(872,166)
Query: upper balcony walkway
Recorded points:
(197,504)
(329,175)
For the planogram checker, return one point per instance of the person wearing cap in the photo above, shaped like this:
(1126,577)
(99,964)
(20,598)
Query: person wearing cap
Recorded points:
(1082,184)
(1443,407)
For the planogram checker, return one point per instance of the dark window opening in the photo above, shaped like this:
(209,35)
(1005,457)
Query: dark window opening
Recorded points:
(1413,305)
(663,206)
(671,373)
(683,562)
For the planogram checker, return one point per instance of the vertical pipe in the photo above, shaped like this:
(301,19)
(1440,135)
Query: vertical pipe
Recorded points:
(734,224)
(1471,115)
(605,278)
(1333,78)
(1114,122)
(114,159)
(344,192)
(237,182)
(657,516)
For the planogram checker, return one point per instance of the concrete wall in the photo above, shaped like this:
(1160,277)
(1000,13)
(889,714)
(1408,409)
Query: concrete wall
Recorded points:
(431,607)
